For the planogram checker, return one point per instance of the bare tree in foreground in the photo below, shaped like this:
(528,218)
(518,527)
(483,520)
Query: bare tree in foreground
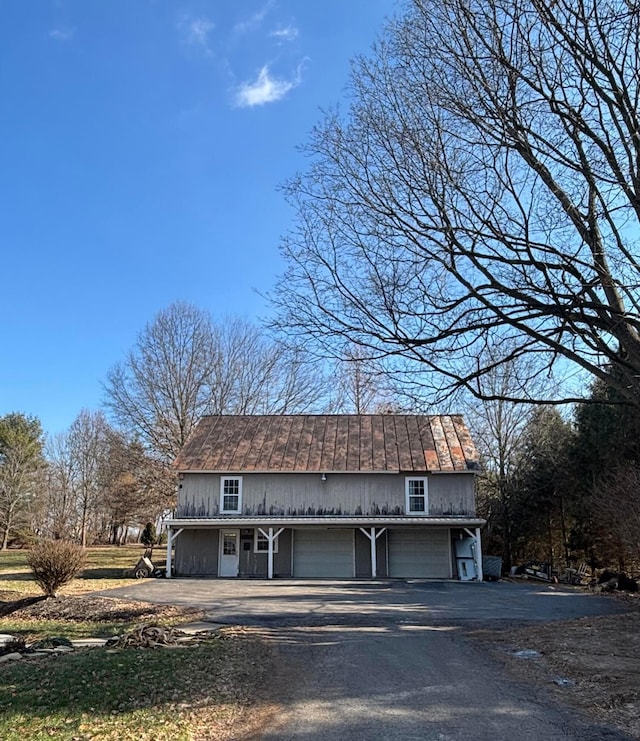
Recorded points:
(483,190)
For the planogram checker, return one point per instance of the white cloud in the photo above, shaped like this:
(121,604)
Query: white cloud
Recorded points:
(288,33)
(62,34)
(254,20)
(195,32)
(265,89)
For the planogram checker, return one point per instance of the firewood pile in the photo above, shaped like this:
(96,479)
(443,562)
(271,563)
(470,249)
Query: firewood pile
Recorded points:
(152,636)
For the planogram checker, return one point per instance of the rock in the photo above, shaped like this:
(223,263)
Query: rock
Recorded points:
(10,657)
(527,653)
(88,642)
(53,642)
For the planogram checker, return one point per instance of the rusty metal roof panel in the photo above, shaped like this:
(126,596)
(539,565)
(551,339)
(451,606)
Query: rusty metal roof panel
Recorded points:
(329,443)
(366,443)
(245,444)
(254,454)
(231,439)
(402,441)
(416,448)
(339,462)
(379,458)
(305,438)
(292,444)
(469,450)
(455,449)
(353,443)
(440,443)
(389,442)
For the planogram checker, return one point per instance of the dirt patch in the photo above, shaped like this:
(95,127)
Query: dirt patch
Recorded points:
(95,609)
(591,663)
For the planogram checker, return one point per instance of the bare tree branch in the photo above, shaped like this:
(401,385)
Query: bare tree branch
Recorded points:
(483,190)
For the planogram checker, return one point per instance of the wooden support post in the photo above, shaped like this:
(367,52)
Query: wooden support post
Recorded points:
(374,557)
(270,555)
(171,536)
(271,539)
(478,555)
(373,539)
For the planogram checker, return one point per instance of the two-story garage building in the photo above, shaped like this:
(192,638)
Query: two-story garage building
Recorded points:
(351,496)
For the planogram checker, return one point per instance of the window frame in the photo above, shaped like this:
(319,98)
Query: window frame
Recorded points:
(258,535)
(408,495)
(223,480)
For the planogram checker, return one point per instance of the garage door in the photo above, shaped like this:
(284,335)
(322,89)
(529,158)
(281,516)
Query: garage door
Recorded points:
(323,553)
(420,553)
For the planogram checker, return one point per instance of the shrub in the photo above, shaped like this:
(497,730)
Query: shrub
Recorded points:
(55,563)
(149,537)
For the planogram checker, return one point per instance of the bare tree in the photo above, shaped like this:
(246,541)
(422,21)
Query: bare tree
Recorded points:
(485,187)
(358,385)
(258,374)
(87,441)
(498,427)
(136,487)
(184,365)
(61,480)
(164,384)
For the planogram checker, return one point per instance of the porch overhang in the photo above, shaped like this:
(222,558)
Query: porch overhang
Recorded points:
(271,527)
(323,521)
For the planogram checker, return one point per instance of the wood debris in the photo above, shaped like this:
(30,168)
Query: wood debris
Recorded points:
(152,636)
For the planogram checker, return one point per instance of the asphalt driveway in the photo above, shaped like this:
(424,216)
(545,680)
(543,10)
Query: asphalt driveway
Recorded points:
(414,602)
(392,660)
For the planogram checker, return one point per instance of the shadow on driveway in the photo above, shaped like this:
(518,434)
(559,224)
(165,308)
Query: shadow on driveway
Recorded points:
(358,603)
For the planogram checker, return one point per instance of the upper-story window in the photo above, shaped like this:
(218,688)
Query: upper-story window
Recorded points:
(231,495)
(416,494)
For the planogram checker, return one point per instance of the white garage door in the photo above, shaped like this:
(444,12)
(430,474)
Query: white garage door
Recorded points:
(420,554)
(323,553)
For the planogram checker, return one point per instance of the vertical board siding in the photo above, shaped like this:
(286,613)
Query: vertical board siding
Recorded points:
(289,495)
(196,553)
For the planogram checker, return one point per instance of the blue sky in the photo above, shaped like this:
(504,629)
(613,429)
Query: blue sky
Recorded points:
(142,143)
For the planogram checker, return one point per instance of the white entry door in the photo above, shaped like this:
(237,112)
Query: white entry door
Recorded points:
(229,552)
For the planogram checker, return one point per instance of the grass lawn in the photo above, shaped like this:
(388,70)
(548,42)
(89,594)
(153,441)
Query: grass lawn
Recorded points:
(172,693)
(204,691)
(105,568)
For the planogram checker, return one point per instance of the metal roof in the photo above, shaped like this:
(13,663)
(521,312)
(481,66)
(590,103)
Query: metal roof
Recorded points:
(329,443)
(262,521)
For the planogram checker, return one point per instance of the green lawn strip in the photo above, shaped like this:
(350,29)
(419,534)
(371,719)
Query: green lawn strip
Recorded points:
(161,693)
(36,629)
(13,560)
(32,629)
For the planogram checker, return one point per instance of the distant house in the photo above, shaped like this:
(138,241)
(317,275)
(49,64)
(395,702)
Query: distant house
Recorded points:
(337,496)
